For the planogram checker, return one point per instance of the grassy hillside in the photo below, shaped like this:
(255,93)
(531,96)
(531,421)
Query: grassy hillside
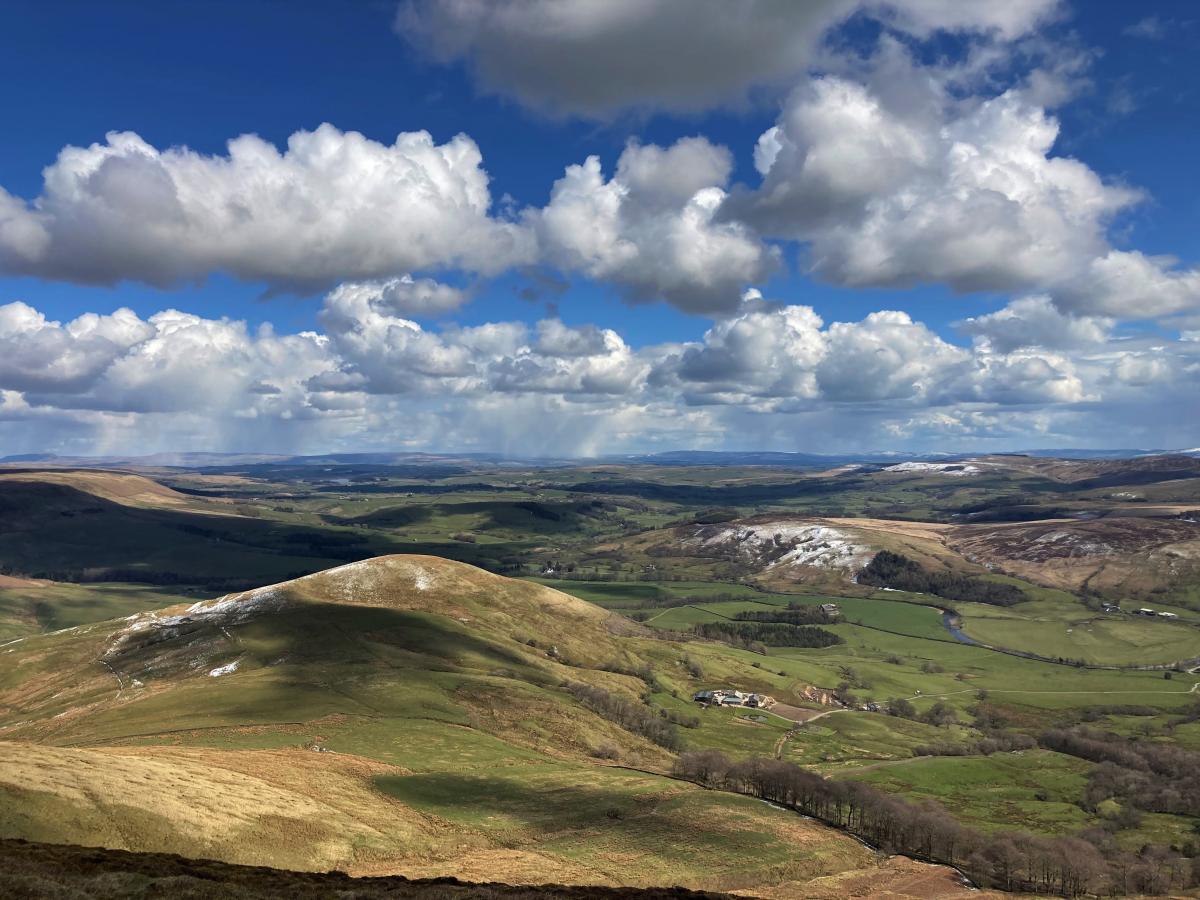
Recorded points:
(126,488)
(31,605)
(448,699)
(434,693)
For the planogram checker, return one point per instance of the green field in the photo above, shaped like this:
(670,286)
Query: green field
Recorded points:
(1034,789)
(1061,626)
(847,741)
(51,606)
(632,594)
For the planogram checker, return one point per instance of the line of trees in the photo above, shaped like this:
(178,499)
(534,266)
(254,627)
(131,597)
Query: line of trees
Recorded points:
(632,716)
(794,614)
(1068,866)
(642,670)
(1145,775)
(767,634)
(894,570)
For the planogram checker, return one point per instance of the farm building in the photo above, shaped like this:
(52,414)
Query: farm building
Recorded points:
(831,609)
(730,697)
(1167,615)
(1144,612)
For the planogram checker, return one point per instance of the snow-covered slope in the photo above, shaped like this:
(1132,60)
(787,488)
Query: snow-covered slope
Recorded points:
(776,544)
(956,469)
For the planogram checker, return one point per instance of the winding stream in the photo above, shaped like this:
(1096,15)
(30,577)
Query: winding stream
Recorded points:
(953,624)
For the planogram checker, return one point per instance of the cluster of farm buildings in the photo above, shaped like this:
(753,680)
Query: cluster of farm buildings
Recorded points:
(730,697)
(1144,611)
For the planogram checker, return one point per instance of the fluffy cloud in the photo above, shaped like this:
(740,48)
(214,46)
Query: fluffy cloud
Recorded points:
(598,57)
(1007,20)
(566,361)
(385,353)
(37,354)
(781,359)
(894,174)
(760,355)
(887,356)
(339,207)
(1036,322)
(186,362)
(405,296)
(372,378)
(902,189)
(333,206)
(1128,284)
(650,228)
(1017,379)
(888,173)
(380,353)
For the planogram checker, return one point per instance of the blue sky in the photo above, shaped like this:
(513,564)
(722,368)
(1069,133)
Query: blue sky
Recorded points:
(1121,82)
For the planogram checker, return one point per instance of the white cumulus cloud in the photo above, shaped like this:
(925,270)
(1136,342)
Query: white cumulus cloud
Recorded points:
(651,228)
(332,206)
(904,189)
(1036,322)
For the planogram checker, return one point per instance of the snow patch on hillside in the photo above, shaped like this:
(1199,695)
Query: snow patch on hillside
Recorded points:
(953,469)
(225,669)
(787,544)
(351,579)
(231,609)
(234,608)
(359,579)
(1075,544)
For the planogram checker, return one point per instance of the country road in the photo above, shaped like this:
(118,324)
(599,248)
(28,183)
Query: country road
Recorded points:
(941,696)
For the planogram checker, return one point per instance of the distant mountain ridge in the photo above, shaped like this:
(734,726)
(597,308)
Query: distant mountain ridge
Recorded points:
(779,458)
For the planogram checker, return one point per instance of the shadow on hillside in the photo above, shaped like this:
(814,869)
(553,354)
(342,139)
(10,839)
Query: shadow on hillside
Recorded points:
(65,534)
(319,641)
(504,802)
(90,873)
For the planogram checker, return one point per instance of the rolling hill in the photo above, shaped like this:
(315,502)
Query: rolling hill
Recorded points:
(126,488)
(1132,555)
(399,715)
(101,529)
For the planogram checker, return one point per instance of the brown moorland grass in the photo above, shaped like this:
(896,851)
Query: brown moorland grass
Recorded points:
(119,487)
(37,871)
(289,808)
(11,582)
(315,811)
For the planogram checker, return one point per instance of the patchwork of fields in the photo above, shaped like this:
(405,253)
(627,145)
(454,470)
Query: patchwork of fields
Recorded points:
(450,722)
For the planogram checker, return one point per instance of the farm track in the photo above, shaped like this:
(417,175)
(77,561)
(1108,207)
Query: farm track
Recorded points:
(941,696)
(780,744)
(1195,686)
